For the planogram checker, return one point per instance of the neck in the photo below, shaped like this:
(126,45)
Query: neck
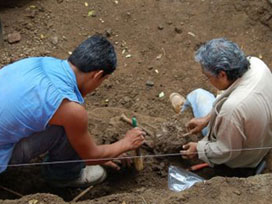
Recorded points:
(79,76)
(230,83)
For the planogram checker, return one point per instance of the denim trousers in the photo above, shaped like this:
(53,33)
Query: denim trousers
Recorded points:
(54,142)
(201,102)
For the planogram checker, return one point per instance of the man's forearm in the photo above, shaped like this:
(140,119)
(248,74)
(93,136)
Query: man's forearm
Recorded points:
(107,152)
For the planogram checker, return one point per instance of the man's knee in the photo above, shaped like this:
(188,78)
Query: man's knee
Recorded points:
(37,144)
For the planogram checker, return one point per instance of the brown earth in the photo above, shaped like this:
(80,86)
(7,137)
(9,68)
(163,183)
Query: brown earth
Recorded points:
(155,41)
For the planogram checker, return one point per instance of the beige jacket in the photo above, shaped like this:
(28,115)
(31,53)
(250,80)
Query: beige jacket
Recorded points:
(241,119)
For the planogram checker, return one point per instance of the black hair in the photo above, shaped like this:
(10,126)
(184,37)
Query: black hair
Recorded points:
(95,53)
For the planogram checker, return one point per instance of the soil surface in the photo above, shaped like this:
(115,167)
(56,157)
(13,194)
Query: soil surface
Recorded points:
(155,41)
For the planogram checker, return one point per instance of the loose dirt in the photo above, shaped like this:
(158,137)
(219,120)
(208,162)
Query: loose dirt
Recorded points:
(155,41)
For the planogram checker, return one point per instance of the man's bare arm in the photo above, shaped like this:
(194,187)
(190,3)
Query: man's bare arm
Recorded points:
(74,118)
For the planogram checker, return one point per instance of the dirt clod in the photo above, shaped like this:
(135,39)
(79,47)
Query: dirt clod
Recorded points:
(14,37)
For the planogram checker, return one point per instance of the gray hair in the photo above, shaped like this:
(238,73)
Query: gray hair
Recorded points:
(222,55)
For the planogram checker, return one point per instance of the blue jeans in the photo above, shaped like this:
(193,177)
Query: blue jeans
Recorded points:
(201,102)
(52,141)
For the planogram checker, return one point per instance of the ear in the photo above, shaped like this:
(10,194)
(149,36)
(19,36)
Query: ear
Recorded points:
(98,74)
(222,74)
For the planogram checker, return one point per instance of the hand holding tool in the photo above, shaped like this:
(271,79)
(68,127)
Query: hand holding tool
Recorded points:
(138,162)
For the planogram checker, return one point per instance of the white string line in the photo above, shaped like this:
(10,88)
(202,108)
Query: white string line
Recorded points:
(126,157)
(90,160)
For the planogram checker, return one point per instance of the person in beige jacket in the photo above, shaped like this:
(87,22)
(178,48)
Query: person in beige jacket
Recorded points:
(240,122)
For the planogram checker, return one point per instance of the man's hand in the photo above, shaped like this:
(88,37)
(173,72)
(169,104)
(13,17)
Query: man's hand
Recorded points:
(112,165)
(118,163)
(190,150)
(134,138)
(197,124)
(74,118)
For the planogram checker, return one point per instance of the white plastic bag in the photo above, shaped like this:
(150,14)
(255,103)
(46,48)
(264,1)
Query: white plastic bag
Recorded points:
(180,179)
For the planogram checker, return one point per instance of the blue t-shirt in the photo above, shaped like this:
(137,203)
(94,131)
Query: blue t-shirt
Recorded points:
(31,90)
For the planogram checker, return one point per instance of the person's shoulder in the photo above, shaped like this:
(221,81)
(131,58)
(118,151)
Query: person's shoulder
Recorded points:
(254,59)
(35,60)
(69,111)
(72,108)
(257,63)
(50,59)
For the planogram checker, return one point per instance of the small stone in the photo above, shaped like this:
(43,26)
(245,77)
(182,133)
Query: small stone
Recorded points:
(125,100)
(160,27)
(14,37)
(161,95)
(29,26)
(54,40)
(31,14)
(178,30)
(47,52)
(150,67)
(149,83)
(237,192)
(50,25)
(192,34)
(42,36)
(108,33)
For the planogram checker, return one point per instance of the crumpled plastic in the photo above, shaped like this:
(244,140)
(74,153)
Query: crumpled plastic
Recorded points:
(179,179)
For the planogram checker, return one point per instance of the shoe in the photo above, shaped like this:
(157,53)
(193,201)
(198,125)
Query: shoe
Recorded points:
(90,175)
(177,101)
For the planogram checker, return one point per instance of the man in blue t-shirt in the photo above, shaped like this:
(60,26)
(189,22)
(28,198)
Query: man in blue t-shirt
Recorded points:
(41,111)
